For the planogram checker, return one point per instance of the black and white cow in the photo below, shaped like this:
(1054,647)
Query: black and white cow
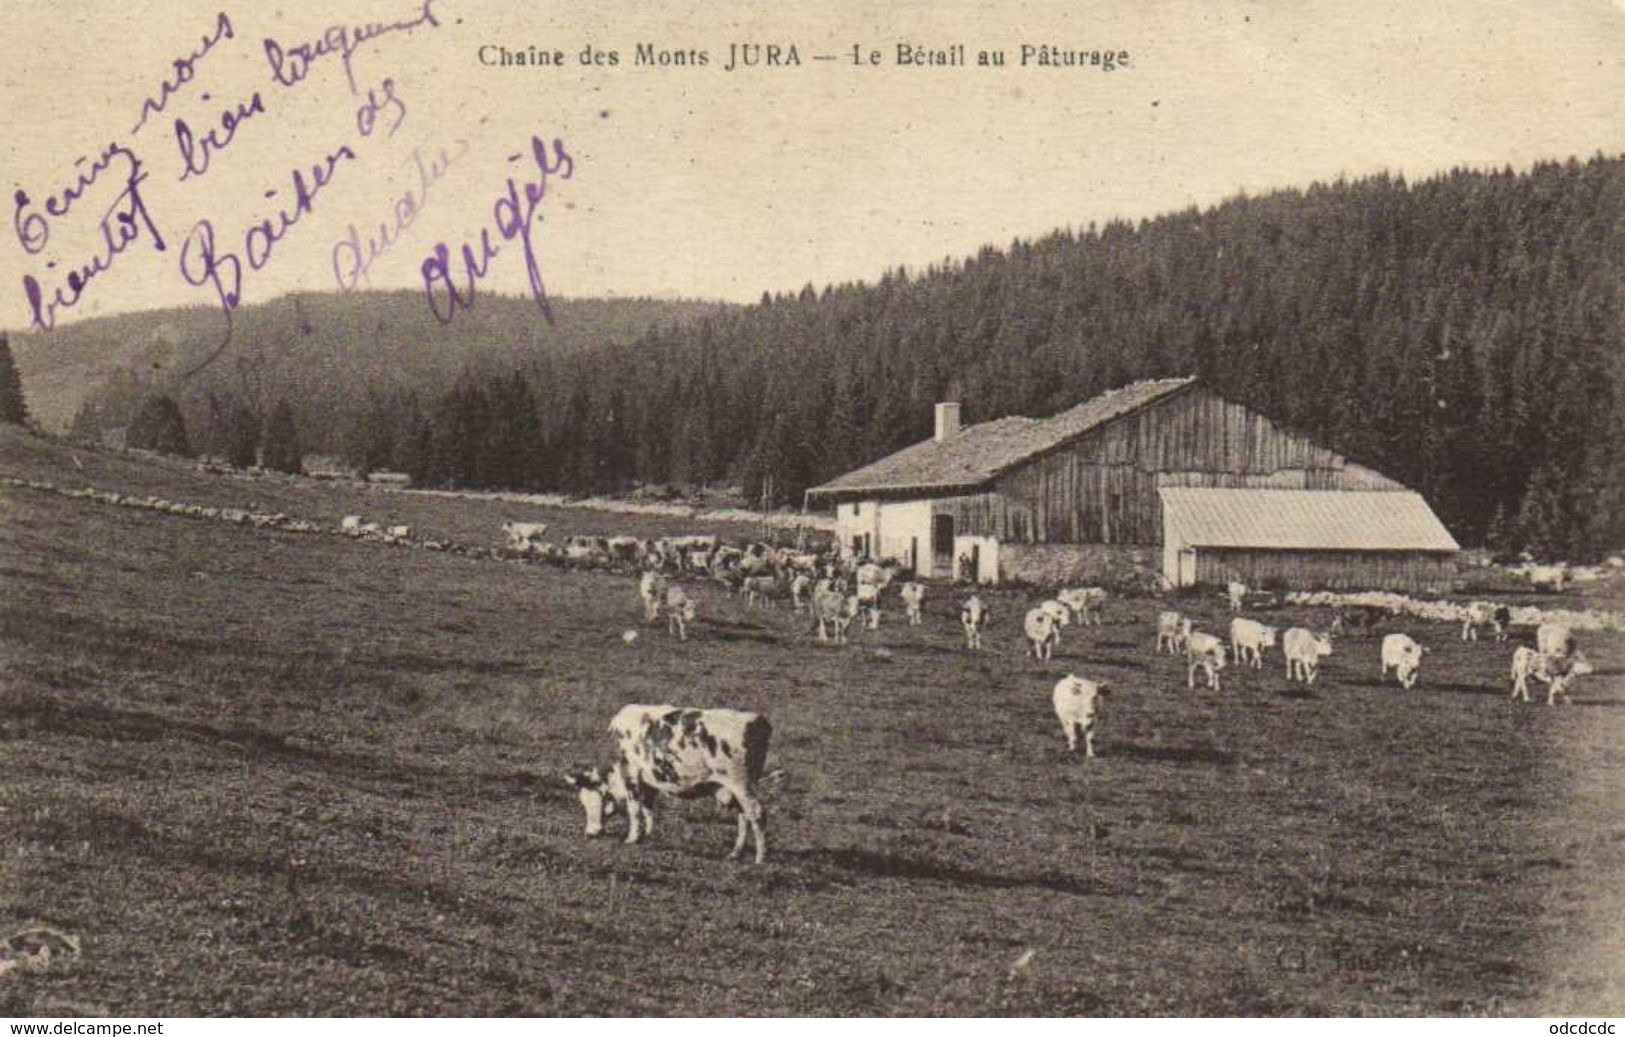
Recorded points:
(682,753)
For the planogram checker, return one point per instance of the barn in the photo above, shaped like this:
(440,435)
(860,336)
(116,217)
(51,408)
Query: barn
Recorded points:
(1160,480)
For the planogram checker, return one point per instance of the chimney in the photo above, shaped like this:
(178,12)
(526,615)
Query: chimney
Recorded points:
(947,420)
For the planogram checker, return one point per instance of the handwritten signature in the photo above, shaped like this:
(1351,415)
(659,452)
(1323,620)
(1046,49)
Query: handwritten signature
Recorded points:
(290,65)
(203,263)
(512,220)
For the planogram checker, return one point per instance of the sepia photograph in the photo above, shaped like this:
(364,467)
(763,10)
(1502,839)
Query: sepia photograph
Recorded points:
(716,510)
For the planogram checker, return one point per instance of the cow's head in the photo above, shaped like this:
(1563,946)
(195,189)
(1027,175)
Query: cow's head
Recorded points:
(595,793)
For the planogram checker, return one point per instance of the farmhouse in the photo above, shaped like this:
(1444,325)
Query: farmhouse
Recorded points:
(1158,478)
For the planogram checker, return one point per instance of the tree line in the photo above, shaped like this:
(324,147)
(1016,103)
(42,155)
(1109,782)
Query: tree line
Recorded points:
(1461,334)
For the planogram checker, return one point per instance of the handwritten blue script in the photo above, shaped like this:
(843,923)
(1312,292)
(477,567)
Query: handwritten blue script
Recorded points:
(202,262)
(353,257)
(513,218)
(121,225)
(290,65)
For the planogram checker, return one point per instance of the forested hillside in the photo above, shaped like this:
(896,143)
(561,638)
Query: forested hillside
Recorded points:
(1462,334)
(328,353)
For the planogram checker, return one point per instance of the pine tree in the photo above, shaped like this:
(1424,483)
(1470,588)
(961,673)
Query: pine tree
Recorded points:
(281,448)
(158,425)
(13,407)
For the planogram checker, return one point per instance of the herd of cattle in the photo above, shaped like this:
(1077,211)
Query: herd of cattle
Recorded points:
(684,752)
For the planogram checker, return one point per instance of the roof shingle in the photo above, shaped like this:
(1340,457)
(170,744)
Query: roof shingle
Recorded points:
(973,456)
(1327,520)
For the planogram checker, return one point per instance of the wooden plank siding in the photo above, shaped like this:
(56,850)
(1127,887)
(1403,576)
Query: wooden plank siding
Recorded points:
(1102,487)
(1332,570)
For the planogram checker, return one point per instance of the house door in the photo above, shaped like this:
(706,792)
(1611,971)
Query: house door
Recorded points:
(1187,567)
(942,543)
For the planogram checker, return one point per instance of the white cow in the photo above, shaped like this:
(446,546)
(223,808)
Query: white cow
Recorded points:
(1059,613)
(868,598)
(973,617)
(351,523)
(1554,639)
(838,610)
(1076,706)
(1557,672)
(652,589)
(1547,577)
(681,753)
(1040,629)
(679,612)
(398,532)
(1236,591)
(1478,614)
(913,600)
(1248,639)
(1085,601)
(1172,630)
(1204,652)
(1303,651)
(521,534)
(1405,656)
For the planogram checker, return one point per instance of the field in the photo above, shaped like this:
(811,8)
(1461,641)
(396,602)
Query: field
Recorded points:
(260,773)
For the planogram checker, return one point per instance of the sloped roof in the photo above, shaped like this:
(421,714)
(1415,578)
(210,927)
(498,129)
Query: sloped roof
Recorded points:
(974,455)
(1329,520)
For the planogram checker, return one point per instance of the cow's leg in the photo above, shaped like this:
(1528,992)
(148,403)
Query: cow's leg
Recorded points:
(1069,729)
(1190,675)
(634,810)
(1089,741)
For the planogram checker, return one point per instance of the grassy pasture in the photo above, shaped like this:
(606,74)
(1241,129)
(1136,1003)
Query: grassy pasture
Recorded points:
(264,773)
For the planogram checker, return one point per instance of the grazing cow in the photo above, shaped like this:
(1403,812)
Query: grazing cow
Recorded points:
(352,524)
(1204,652)
(1172,630)
(1040,629)
(679,612)
(398,532)
(1085,601)
(681,753)
(831,606)
(1405,656)
(1076,705)
(1557,672)
(1248,639)
(1554,639)
(1236,591)
(1478,614)
(1059,613)
(521,534)
(652,589)
(764,588)
(800,584)
(1303,651)
(913,600)
(973,617)
(1547,577)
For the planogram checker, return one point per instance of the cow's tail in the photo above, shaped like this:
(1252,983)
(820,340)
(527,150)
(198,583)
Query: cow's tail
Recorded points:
(757,734)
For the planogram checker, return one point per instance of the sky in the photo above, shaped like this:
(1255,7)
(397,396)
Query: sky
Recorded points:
(696,181)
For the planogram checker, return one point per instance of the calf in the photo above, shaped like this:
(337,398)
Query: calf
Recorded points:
(1172,630)
(913,595)
(868,598)
(1204,652)
(1041,635)
(973,617)
(1557,672)
(681,753)
(679,612)
(764,588)
(1303,651)
(1405,656)
(1076,704)
(1248,639)
(1478,614)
